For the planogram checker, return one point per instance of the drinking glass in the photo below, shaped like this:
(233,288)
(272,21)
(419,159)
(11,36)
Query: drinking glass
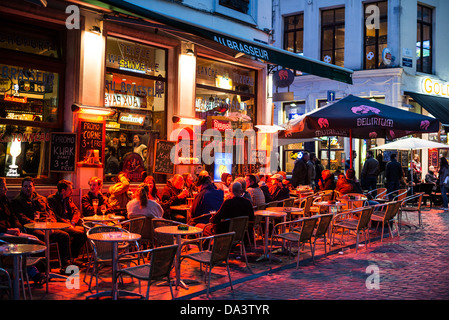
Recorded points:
(95,204)
(36,216)
(103,210)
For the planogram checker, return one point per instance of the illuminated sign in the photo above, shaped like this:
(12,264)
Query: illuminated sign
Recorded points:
(434,87)
(121,100)
(221,125)
(129,118)
(15,99)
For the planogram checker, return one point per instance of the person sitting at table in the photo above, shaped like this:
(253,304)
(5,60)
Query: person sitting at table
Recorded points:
(264,187)
(277,190)
(174,195)
(236,206)
(95,184)
(208,199)
(254,191)
(119,196)
(10,226)
(328,181)
(26,204)
(246,194)
(189,183)
(154,192)
(349,184)
(431,178)
(226,180)
(66,211)
(142,205)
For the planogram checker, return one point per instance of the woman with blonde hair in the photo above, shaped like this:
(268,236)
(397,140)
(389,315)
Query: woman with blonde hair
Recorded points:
(141,205)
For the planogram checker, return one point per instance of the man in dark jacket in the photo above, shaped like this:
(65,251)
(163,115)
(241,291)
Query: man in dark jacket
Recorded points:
(26,204)
(277,190)
(370,172)
(393,174)
(66,211)
(208,199)
(174,195)
(236,206)
(300,174)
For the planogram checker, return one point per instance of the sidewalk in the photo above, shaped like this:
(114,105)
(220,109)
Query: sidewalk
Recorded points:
(412,266)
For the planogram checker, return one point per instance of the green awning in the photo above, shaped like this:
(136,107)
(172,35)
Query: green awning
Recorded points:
(255,49)
(436,106)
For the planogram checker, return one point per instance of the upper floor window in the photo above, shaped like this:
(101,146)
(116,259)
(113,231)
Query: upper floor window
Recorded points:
(376,34)
(424,43)
(333,36)
(294,33)
(238,5)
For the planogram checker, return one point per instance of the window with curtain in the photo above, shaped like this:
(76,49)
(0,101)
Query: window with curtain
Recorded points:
(333,36)
(375,39)
(424,43)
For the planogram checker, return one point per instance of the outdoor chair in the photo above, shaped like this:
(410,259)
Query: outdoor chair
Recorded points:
(289,202)
(299,231)
(346,221)
(102,253)
(321,231)
(354,204)
(5,282)
(427,189)
(397,195)
(158,269)
(378,193)
(220,246)
(385,214)
(256,224)
(279,203)
(239,225)
(163,239)
(305,204)
(411,204)
(133,225)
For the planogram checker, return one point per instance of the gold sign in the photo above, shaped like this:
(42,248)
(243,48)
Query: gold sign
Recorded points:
(435,87)
(130,118)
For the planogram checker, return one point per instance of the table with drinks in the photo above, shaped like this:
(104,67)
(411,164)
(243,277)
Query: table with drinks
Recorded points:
(103,217)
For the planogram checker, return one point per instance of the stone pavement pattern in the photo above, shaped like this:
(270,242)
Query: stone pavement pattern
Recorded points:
(412,266)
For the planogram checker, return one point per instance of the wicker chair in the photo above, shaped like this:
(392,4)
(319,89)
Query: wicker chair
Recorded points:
(321,231)
(162,239)
(377,193)
(219,253)
(239,225)
(299,231)
(386,213)
(411,204)
(346,221)
(5,282)
(161,263)
(102,253)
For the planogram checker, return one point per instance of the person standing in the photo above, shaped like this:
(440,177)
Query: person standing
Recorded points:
(416,167)
(370,172)
(112,163)
(444,185)
(393,174)
(300,174)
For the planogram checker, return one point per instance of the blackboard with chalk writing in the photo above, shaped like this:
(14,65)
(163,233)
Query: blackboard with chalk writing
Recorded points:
(63,152)
(162,161)
(90,144)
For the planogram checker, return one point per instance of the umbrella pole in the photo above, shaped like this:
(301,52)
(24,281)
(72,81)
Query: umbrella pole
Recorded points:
(411,173)
(350,150)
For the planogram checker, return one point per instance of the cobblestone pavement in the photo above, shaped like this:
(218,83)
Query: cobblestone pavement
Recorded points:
(413,266)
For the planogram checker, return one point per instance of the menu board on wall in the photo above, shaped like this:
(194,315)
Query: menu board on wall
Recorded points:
(63,152)
(433,158)
(90,143)
(162,161)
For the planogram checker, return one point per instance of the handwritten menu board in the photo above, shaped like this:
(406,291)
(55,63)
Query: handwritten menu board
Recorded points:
(162,162)
(90,136)
(62,152)
(433,158)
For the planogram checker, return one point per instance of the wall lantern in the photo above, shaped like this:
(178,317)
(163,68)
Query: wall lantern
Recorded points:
(99,111)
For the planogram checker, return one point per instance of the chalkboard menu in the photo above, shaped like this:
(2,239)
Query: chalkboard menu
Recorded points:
(90,144)
(62,152)
(162,161)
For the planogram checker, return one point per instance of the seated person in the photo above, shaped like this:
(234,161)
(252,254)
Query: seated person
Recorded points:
(349,184)
(119,197)
(328,181)
(26,204)
(189,183)
(264,187)
(277,189)
(141,205)
(95,184)
(154,192)
(432,178)
(208,199)
(66,211)
(257,196)
(174,195)
(234,207)
(246,194)
(226,180)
